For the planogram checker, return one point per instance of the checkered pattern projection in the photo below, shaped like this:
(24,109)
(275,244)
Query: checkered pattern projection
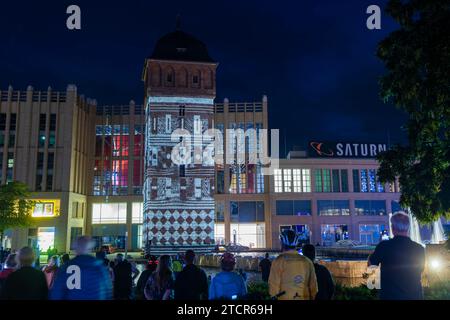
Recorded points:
(181,227)
(178,197)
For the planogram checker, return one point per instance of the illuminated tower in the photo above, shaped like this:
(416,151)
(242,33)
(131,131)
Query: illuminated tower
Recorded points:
(180,89)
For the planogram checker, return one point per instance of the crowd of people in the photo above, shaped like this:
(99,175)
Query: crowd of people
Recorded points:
(290,276)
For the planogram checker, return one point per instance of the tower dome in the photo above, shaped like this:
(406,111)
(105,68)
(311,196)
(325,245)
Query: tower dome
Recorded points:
(180,46)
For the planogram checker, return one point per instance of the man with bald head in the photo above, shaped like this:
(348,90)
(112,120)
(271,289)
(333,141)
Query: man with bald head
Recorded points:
(402,262)
(84,277)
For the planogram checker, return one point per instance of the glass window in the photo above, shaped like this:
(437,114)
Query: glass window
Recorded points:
(331,233)
(219,233)
(137,212)
(306,180)
(370,207)
(370,234)
(287,180)
(248,234)
(247,211)
(278,180)
(344,180)
(109,213)
(372,180)
(356,181)
(323,180)
(318,180)
(297,180)
(333,207)
(336,182)
(220,212)
(302,207)
(284,207)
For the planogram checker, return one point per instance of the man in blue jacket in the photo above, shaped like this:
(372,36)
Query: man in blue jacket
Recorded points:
(84,277)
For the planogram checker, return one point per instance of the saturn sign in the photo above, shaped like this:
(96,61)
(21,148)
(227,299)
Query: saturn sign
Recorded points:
(345,149)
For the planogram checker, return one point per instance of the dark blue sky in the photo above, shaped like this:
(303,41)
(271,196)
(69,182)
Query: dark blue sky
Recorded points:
(314,59)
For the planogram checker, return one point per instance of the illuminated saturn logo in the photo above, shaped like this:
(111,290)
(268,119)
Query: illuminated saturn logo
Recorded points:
(318,146)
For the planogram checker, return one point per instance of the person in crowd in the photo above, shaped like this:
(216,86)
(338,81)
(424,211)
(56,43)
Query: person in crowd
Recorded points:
(160,284)
(10,266)
(292,275)
(89,279)
(227,284)
(402,262)
(50,270)
(123,281)
(264,266)
(134,274)
(325,282)
(101,254)
(134,269)
(65,258)
(111,266)
(26,283)
(153,263)
(191,283)
(139,292)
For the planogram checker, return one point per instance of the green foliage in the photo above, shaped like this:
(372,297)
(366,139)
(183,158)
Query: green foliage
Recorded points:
(354,293)
(258,290)
(417,59)
(15,206)
(438,291)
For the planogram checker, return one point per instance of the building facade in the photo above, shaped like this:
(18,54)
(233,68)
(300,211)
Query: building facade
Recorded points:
(45,142)
(109,171)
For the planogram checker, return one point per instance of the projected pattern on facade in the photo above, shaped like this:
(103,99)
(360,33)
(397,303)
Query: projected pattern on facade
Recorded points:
(178,199)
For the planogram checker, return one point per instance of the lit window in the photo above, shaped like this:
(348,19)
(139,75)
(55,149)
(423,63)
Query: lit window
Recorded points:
(306,180)
(278,180)
(297,180)
(109,213)
(137,215)
(287,180)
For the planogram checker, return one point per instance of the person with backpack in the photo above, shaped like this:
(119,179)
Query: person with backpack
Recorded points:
(292,276)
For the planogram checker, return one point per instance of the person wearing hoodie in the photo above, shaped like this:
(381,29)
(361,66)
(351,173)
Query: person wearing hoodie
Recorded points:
(227,285)
(82,278)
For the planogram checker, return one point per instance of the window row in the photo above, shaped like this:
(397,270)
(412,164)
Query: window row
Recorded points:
(329,180)
(334,207)
(116,213)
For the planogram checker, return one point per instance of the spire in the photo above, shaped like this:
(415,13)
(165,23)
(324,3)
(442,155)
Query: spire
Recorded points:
(178,23)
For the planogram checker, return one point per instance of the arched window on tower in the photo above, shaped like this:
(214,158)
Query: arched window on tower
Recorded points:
(169,77)
(195,79)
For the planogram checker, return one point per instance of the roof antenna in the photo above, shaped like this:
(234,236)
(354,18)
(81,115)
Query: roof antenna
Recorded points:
(178,24)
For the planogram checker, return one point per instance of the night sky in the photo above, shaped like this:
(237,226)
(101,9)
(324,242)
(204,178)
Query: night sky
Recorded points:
(314,59)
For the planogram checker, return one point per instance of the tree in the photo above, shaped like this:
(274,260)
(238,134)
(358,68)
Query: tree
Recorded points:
(417,59)
(15,207)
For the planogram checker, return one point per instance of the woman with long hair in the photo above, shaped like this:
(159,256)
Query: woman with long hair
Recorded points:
(160,284)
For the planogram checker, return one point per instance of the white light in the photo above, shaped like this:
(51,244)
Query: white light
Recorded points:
(435,264)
